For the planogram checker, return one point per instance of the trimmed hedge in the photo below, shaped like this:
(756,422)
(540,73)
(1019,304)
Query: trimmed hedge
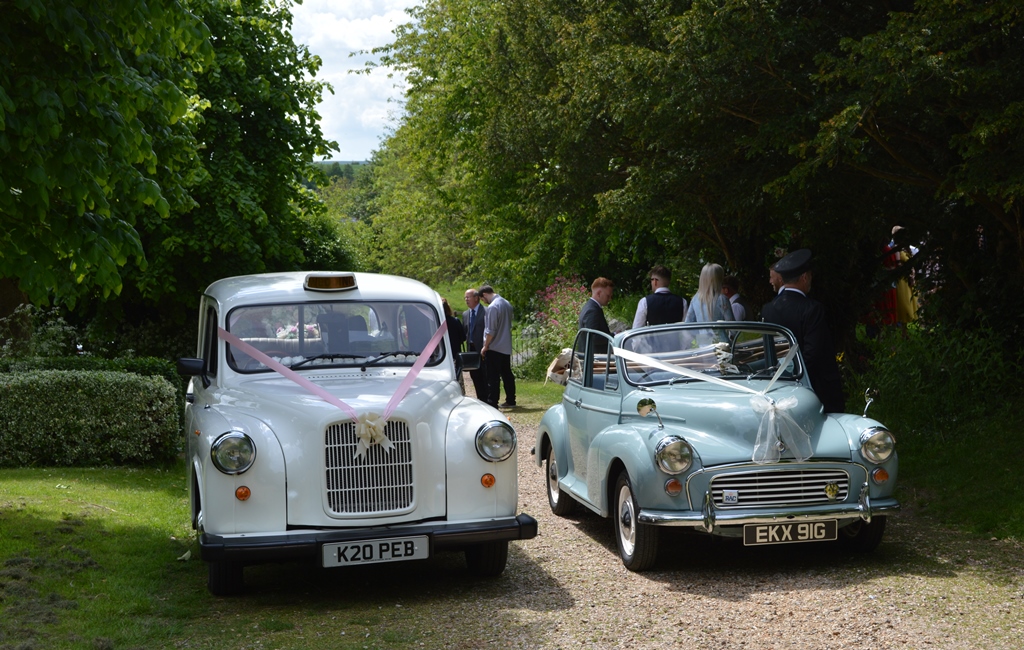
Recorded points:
(86,418)
(138,365)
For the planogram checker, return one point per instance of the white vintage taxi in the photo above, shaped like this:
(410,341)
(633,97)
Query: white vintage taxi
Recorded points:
(325,423)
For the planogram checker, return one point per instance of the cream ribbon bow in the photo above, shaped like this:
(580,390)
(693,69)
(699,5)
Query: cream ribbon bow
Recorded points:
(778,431)
(369,432)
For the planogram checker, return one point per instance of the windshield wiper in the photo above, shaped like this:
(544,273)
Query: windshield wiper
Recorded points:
(385,355)
(326,355)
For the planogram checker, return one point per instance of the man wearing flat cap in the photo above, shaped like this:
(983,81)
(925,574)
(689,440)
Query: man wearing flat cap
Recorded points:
(806,319)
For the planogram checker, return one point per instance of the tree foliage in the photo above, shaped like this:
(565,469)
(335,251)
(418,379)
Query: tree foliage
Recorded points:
(149,149)
(600,138)
(95,111)
(258,135)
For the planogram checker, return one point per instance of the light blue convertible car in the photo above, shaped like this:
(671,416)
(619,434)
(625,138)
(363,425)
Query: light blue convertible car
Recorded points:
(713,427)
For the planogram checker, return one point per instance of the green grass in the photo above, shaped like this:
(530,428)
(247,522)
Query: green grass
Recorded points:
(92,558)
(970,477)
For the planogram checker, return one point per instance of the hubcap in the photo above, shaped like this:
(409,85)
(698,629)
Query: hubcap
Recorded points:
(552,478)
(627,530)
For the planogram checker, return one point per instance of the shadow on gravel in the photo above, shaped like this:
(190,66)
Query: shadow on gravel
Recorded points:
(441,577)
(698,564)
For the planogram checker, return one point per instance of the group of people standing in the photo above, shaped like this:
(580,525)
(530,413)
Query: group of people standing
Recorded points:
(718,299)
(489,332)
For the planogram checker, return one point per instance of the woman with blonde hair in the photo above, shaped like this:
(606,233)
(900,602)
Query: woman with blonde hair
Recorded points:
(709,304)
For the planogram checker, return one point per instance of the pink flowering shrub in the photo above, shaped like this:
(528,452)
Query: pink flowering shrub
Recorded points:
(558,313)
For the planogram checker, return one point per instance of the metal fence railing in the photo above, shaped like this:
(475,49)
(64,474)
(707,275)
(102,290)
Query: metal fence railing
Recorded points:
(524,345)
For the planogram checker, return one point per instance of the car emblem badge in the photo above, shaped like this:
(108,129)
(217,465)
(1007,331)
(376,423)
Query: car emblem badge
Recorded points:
(831,490)
(730,497)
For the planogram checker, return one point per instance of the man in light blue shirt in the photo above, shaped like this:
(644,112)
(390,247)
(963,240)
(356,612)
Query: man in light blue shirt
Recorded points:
(497,349)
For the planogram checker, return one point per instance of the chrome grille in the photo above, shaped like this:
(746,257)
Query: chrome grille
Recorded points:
(379,481)
(762,489)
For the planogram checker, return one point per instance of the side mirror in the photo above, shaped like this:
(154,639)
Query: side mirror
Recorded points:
(869,396)
(470,360)
(646,406)
(193,367)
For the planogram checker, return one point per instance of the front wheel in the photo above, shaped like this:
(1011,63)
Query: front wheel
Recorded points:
(560,502)
(862,537)
(637,542)
(225,578)
(487,560)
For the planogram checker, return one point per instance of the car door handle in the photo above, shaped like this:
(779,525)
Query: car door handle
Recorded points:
(578,403)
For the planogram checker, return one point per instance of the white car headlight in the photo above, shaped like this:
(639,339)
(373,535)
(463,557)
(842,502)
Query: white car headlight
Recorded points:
(495,441)
(673,455)
(233,453)
(877,444)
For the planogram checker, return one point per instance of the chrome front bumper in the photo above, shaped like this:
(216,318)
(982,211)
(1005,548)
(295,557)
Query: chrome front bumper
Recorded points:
(710,518)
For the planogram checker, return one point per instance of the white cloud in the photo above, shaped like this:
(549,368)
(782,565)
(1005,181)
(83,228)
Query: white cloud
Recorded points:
(359,112)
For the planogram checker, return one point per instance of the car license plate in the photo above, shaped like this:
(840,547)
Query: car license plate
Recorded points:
(789,532)
(370,551)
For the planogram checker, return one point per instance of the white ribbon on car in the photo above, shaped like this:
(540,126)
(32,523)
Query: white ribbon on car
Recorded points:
(778,431)
(777,427)
(369,426)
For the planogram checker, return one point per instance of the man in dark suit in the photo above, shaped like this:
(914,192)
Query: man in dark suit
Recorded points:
(806,319)
(592,314)
(473,324)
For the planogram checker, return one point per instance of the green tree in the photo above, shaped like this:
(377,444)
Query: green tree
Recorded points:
(932,103)
(96,110)
(259,134)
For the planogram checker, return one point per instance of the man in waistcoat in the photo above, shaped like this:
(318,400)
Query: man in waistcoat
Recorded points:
(661,306)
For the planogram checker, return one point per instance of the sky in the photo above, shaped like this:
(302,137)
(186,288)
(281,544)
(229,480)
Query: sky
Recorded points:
(359,112)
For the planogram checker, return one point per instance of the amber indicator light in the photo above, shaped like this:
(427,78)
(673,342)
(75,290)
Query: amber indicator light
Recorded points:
(330,282)
(487,480)
(242,493)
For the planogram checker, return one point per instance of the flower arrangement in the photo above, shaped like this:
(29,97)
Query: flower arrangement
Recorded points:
(292,331)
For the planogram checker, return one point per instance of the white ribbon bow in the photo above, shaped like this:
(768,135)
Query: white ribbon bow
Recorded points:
(777,426)
(778,431)
(369,432)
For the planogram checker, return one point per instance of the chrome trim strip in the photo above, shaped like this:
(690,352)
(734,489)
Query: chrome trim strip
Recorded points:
(708,516)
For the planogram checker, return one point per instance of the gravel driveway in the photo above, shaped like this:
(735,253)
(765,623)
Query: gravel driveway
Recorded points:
(925,587)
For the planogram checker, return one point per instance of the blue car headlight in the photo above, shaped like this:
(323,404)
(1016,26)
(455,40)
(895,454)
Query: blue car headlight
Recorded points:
(673,455)
(877,444)
(233,453)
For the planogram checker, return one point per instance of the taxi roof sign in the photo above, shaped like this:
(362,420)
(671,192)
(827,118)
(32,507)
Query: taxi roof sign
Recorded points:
(330,281)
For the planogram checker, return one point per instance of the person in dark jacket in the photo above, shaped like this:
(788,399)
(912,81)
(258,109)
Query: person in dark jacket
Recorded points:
(457,338)
(473,324)
(592,314)
(805,317)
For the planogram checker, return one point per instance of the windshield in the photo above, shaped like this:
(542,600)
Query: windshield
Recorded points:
(313,335)
(749,352)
